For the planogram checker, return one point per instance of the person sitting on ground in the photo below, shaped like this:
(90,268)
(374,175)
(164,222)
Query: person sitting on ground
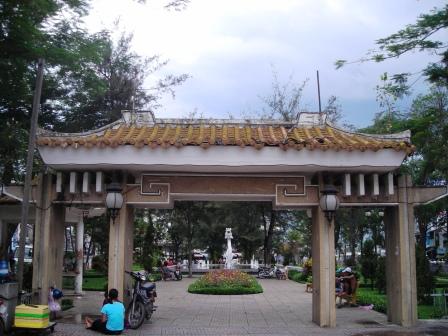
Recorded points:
(112,317)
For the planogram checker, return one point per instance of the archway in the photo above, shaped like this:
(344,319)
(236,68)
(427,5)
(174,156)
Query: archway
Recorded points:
(158,161)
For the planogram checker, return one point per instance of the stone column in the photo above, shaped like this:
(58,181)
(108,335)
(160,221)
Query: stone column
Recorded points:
(48,241)
(324,312)
(400,258)
(79,254)
(121,245)
(3,240)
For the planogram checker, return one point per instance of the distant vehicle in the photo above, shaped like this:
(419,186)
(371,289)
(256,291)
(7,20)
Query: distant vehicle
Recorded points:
(28,254)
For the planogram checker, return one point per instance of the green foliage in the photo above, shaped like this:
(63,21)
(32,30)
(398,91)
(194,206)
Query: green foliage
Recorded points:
(298,276)
(95,283)
(415,37)
(66,304)
(380,275)
(369,261)
(68,282)
(89,78)
(225,282)
(99,263)
(425,279)
(366,297)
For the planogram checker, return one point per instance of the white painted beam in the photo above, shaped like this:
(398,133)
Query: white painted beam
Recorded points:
(390,184)
(361,185)
(376,185)
(72,188)
(58,182)
(99,182)
(85,182)
(347,185)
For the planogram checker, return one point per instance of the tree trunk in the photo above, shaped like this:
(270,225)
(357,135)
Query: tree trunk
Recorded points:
(268,237)
(189,244)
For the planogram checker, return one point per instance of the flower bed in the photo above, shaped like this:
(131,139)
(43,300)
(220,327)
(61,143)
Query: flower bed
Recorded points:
(226,282)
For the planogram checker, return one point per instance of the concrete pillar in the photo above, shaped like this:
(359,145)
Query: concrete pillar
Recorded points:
(48,241)
(79,255)
(324,312)
(400,259)
(3,240)
(121,245)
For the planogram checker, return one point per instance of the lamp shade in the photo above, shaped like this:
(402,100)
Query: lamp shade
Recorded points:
(114,200)
(329,201)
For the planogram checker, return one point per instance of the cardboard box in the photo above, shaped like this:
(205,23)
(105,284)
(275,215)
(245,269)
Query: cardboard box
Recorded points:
(32,316)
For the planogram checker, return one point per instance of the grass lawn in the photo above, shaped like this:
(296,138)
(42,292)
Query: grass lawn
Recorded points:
(94,284)
(442,281)
(367,296)
(95,281)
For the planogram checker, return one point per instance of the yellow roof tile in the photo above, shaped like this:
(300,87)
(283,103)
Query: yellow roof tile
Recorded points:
(256,135)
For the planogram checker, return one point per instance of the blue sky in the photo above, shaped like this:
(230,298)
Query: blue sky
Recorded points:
(229,48)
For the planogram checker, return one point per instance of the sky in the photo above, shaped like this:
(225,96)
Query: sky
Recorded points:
(231,48)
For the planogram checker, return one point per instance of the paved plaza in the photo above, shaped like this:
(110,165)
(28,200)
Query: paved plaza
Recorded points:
(283,309)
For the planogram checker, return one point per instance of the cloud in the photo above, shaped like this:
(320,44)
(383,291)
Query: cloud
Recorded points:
(229,47)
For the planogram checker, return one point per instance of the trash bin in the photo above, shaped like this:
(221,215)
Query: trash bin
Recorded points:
(9,293)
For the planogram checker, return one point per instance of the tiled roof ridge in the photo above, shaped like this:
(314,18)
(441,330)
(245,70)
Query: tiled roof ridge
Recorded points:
(400,136)
(253,133)
(289,125)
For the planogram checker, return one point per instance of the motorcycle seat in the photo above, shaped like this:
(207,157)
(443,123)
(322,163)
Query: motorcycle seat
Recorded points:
(148,285)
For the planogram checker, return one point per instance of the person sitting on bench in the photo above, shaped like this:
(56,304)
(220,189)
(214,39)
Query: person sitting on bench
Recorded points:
(349,286)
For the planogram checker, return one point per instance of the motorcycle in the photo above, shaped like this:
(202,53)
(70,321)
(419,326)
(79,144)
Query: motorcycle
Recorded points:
(178,273)
(265,272)
(171,275)
(143,296)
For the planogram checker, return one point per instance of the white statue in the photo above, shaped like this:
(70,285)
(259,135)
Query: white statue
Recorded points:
(229,253)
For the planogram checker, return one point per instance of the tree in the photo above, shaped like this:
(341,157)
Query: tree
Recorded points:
(121,75)
(425,278)
(369,261)
(88,78)
(30,30)
(415,37)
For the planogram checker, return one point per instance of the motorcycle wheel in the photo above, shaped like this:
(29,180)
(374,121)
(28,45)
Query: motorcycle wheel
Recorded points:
(136,317)
(261,275)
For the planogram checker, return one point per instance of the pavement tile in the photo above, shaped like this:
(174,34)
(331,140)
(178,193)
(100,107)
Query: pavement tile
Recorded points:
(283,309)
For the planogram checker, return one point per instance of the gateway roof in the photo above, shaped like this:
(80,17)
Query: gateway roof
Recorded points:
(165,133)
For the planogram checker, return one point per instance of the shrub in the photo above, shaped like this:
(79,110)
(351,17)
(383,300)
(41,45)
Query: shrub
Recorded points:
(298,276)
(380,275)
(66,304)
(368,261)
(99,263)
(292,274)
(225,282)
(308,267)
(378,301)
(425,279)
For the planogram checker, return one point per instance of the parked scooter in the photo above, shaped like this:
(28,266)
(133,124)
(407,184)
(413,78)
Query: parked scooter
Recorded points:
(143,297)
(167,274)
(178,273)
(265,272)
